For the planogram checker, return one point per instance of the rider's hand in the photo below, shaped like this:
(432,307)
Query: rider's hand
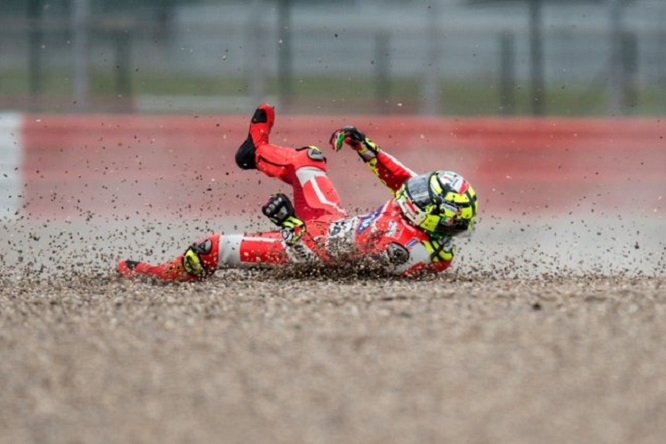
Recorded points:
(281,212)
(293,230)
(351,136)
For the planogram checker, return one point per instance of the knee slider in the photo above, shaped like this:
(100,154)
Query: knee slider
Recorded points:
(315,154)
(311,156)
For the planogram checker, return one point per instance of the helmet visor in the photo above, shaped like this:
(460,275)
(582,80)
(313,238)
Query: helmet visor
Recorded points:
(418,189)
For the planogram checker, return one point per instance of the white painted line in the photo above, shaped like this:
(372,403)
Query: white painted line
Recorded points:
(11,150)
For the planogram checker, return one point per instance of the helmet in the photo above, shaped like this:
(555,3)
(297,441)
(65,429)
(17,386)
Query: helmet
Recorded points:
(442,203)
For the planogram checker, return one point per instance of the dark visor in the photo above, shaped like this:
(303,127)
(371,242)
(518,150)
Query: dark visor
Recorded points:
(418,189)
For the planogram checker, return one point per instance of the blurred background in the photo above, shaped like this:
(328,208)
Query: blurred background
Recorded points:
(121,113)
(451,57)
(119,122)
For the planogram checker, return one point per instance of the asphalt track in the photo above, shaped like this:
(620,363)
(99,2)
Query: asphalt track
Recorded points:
(547,329)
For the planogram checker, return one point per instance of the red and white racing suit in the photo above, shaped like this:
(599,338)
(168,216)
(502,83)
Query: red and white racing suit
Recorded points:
(331,235)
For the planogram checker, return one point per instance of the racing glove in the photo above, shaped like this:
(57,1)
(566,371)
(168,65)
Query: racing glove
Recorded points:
(351,136)
(280,211)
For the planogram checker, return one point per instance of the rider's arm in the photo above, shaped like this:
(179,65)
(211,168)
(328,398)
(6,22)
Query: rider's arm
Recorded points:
(421,267)
(433,256)
(387,168)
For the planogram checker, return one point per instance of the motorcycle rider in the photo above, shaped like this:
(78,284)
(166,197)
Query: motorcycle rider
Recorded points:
(410,233)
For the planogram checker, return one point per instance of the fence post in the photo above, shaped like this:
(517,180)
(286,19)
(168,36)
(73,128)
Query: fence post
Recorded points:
(507,73)
(123,47)
(382,81)
(256,55)
(630,70)
(616,78)
(35,38)
(284,52)
(536,58)
(80,20)
(431,78)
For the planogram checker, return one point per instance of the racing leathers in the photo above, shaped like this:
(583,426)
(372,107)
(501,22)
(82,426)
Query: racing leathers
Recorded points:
(315,228)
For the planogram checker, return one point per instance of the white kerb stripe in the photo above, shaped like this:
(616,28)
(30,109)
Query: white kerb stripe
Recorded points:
(11,150)
(309,174)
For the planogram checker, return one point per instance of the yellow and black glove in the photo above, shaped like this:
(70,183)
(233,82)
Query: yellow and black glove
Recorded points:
(281,212)
(357,140)
(440,249)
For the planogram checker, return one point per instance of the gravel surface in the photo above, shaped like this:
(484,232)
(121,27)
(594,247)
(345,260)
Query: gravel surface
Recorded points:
(492,351)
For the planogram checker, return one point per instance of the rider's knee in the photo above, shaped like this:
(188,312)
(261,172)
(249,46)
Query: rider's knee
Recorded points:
(310,156)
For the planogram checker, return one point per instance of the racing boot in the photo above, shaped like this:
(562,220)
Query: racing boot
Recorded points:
(260,127)
(169,271)
(198,262)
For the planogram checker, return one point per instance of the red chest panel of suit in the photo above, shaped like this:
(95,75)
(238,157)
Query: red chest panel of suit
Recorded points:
(366,234)
(385,225)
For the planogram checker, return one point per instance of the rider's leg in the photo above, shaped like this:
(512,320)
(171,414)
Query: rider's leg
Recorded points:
(303,168)
(207,255)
